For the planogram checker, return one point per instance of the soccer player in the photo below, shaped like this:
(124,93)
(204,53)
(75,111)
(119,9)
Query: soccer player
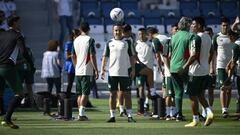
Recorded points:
(211,83)
(12,43)
(223,46)
(234,64)
(144,50)
(128,36)
(180,61)
(85,63)
(121,56)
(169,100)
(200,54)
(68,64)
(27,77)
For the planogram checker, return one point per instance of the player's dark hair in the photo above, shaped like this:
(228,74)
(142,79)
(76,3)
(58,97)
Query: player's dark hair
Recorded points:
(225,20)
(12,19)
(200,20)
(174,25)
(142,29)
(208,29)
(152,30)
(127,28)
(84,26)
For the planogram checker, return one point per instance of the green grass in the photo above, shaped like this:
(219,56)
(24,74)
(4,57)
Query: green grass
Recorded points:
(34,123)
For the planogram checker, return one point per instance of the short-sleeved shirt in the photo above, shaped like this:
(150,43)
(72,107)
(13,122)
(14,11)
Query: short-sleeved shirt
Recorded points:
(157,45)
(11,41)
(119,53)
(223,46)
(83,47)
(200,67)
(236,55)
(144,52)
(180,49)
(68,64)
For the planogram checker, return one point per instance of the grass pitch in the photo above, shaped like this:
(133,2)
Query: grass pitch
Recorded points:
(34,123)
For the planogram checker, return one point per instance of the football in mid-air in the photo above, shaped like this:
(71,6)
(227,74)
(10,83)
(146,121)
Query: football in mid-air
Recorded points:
(117,14)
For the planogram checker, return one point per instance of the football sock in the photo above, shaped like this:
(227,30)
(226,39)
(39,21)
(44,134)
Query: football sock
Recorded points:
(112,113)
(196,118)
(121,108)
(82,111)
(129,112)
(224,109)
(168,109)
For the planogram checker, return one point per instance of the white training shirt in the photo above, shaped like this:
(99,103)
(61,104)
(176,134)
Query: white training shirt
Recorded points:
(84,47)
(163,38)
(224,50)
(202,68)
(119,53)
(145,53)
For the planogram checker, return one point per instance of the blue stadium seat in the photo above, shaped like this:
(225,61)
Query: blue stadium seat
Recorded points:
(133,21)
(229,8)
(208,5)
(151,14)
(91,13)
(86,5)
(88,0)
(212,20)
(94,20)
(211,13)
(209,8)
(170,20)
(129,5)
(191,12)
(108,21)
(132,13)
(152,21)
(107,6)
(169,13)
(187,0)
(129,0)
(208,0)
(188,5)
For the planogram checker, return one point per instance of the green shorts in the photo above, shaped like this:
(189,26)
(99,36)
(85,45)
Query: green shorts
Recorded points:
(179,83)
(83,85)
(211,83)
(169,86)
(138,68)
(196,85)
(10,76)
(141,81)
(119,83)
(221,76)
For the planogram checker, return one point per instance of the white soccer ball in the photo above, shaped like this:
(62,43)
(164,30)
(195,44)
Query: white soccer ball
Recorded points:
(117,14)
